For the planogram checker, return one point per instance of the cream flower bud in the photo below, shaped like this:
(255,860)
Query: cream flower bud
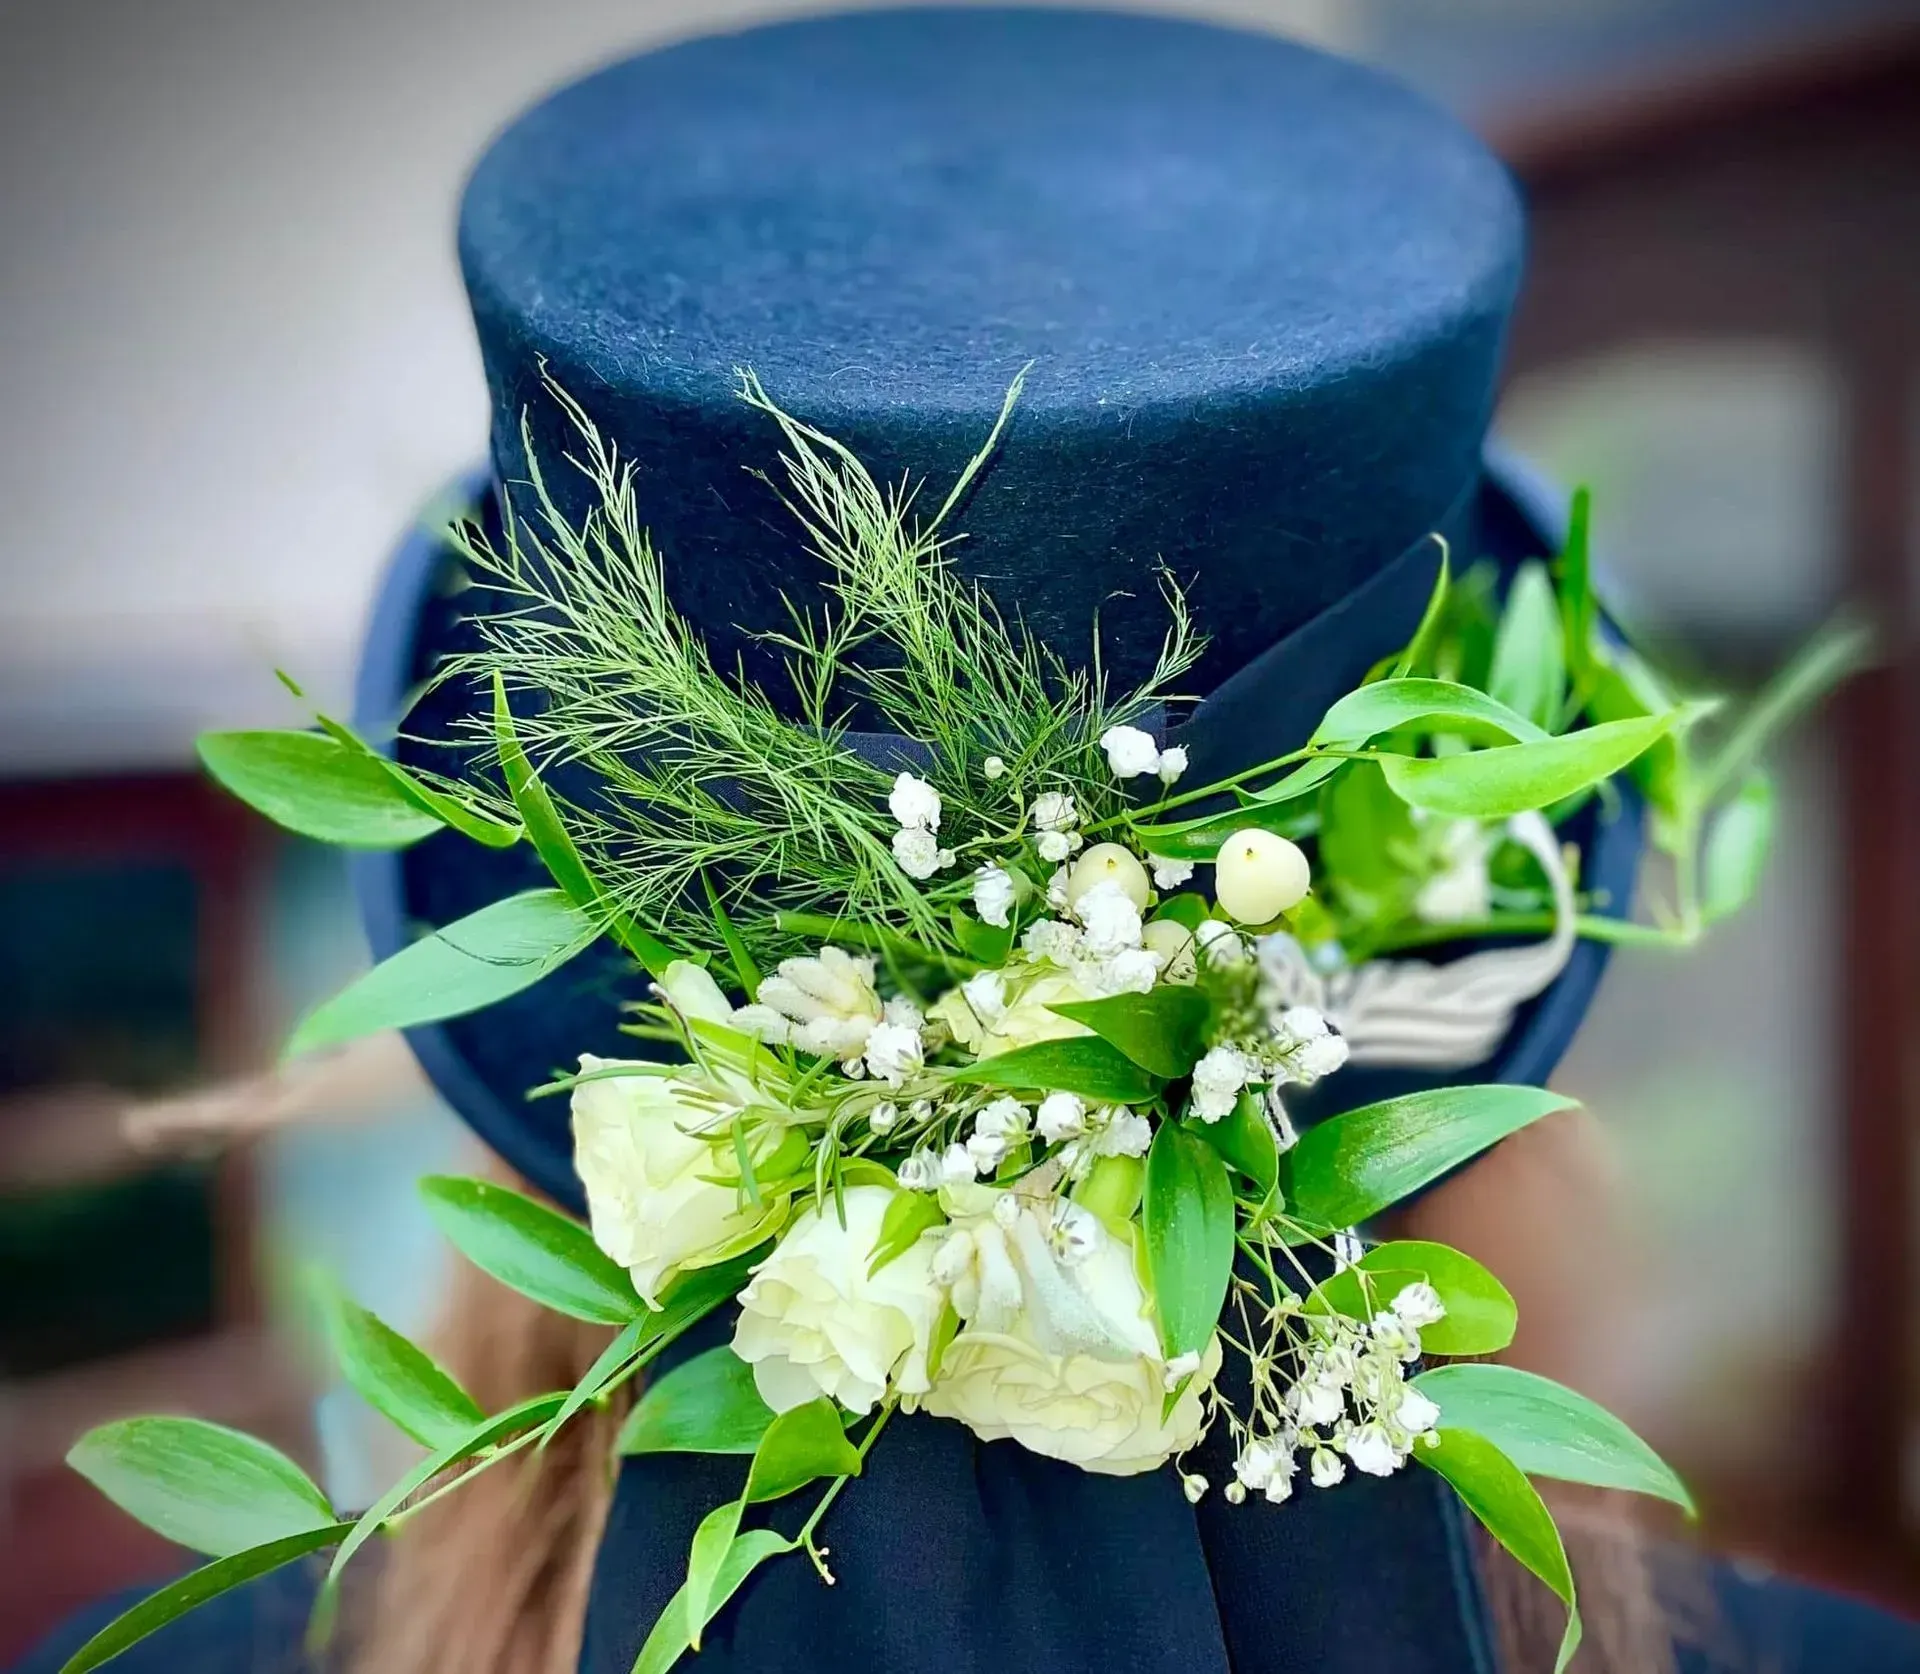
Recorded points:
(1326,1469)
(1258,875)
(957,1167)
(1130,752)
(1194,1486)
(919,1172)
(1108,863)
(1174,944)
(994,768)
(882,1117)
(914,803)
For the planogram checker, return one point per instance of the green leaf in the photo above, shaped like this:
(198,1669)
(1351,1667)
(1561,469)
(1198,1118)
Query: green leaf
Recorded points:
(469,965)
(201,1485)
(392,1375)
(712,1542)
(314,785)
(1738,841)
(532,1249)
(1839,650)
(801,1445)
(1480,1311)
(707,1405)
(1189,910)
(908,1215)
(1421,705)
(669,1637)
(1549,1430)
(1418,656)
(1366,836)
(1162,1030)
(1348,1168)
(744,968)
(197,1587)
(1083,1064)
(526,1415)
(469,821)
(1578,617)
(1187,1216)
(985,943)
(608,1364)
(1200,839)
(1244,1138)
(1493,784)
(1529,672)
(1495,1490)
(555,846)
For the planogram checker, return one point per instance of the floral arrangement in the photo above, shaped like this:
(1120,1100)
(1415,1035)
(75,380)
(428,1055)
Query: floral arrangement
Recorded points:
(969,1043)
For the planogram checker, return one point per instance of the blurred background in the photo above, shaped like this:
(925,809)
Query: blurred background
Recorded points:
(236,364)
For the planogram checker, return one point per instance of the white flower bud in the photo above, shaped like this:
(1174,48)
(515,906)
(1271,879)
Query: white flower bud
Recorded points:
(1219,943)
(994,767)
(1055,846)
(1127,1134)
(957,1167)
(1418,1305)
(1325,1468)
(1061,1116)
(1217,1080)
(919,1172)
(1416,1412)
(1258,875)
(1194,1486)
(1054,811)
(1235,1493)
(918,852)
(1106,863)
(894,1051)
(986,995)
(882,1117)
(1130,752)
(1172,764)
(1371,1449)
(993,895)
(1169,874)
(914,803)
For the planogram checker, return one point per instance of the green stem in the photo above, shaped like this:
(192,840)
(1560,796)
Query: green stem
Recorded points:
(1154,809)
(1594,927)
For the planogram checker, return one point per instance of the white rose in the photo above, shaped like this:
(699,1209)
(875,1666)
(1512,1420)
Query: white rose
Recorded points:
(1029,991)
(814,1321)
(1058,1352)
(649,1206)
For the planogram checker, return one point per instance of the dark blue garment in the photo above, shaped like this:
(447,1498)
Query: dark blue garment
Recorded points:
(1771,1625)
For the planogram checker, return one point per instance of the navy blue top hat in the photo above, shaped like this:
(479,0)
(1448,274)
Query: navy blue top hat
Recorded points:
(1263,292)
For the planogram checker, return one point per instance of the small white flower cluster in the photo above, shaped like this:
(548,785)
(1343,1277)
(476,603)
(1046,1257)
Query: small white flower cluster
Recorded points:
(826,1003)
(1132,754)
(1055,819)
(1298,1049)
(1083,1136)
(1350,1403)
(915,804)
